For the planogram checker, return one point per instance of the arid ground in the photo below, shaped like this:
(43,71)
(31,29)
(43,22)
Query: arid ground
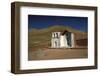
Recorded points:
(48,54)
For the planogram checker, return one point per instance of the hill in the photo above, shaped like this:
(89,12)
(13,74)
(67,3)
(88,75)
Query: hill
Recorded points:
(40,38)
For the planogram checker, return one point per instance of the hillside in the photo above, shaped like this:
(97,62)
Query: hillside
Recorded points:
(41,38)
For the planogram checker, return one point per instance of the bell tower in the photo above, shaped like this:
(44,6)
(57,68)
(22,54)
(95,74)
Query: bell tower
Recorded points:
(55,41)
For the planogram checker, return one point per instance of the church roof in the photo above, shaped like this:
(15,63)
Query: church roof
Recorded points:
(64,32)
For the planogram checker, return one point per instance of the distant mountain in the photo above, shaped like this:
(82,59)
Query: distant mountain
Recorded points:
(56,28)
(37,38)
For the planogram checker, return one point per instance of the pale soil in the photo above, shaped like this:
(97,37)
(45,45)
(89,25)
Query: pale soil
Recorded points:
(48,54)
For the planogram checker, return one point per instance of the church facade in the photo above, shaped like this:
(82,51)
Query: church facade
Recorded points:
(62,39)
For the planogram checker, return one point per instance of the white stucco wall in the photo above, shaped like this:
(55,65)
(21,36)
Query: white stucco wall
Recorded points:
(63,41)
(73,40)
(57,45)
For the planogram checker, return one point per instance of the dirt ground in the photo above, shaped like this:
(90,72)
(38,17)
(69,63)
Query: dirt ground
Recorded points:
(49,54)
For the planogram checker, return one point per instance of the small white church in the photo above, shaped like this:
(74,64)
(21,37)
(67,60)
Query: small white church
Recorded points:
(63,39)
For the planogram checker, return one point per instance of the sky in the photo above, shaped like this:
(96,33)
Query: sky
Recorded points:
(40,22)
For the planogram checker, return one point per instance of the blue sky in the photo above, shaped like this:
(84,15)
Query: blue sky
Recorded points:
(40,22)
